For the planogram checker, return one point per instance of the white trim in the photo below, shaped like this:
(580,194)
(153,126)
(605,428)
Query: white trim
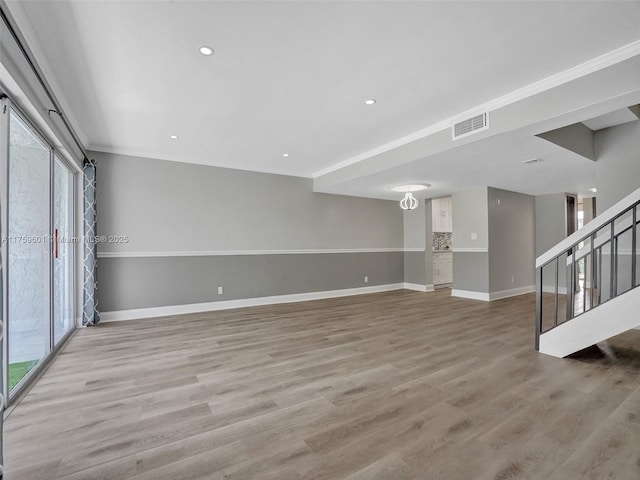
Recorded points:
(414,249)
(417,287)
(216,253)
(470,295)
(487,297)
(590,66)
(470,250)
(140,313)
(512,292)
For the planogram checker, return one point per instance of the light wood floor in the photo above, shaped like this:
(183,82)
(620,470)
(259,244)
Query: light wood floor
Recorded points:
(397,385)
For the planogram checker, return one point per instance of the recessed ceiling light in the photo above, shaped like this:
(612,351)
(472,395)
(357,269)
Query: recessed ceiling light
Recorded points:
(370,101)
(285,154)
(594,189)
(411,188)
(174,137)
(206,50)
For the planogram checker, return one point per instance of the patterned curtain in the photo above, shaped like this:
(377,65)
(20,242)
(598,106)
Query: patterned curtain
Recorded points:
(90,314)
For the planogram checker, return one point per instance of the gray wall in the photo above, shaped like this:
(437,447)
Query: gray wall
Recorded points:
(550,223)
(415,237)
(414,226)
(418,230)
(415,268)
(505,248)
(471,271)
(171,208)
(470,215)
(577,138)
(550,229)
(511,240)
(130,283)
(617,175)
(618,164)
(588,209)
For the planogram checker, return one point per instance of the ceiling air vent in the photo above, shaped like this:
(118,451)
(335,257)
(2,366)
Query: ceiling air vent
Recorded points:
(470,126)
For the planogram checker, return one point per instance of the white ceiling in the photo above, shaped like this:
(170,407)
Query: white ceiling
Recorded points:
(292,77)
(611,119)
(466,167)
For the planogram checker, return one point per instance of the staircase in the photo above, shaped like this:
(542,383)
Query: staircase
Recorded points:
(586,285)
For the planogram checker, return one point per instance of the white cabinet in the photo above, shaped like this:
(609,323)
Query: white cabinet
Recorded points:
(441,214)
(442,268)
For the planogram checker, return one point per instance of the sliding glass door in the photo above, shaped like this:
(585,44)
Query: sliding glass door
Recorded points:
(38,225)
(29,257)
(63,249)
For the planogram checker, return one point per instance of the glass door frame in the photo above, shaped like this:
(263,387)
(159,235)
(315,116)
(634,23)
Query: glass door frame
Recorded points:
(72,250)
(6,106)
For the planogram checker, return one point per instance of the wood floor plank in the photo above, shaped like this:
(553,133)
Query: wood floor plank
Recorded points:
(390,386)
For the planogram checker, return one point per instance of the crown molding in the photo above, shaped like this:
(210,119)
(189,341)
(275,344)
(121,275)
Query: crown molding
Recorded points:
(590,66)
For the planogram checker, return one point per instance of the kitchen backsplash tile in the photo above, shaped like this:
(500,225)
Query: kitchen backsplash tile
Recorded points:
(441,240)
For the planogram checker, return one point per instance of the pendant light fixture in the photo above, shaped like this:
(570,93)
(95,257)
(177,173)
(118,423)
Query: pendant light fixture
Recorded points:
(409,202)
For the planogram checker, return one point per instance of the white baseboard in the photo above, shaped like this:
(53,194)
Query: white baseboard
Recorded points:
(470,250)
(512,292)
(417,287)
(471,295)
(141,313)
(487,297)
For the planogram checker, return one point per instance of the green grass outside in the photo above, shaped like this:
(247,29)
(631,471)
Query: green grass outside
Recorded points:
(17,371)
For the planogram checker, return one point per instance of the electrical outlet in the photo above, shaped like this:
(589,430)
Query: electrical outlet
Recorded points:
(220,291)
(366,279)
(513,280)
(474,236)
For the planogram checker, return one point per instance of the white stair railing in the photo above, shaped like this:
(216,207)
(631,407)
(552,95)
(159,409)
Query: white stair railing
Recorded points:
(590,267)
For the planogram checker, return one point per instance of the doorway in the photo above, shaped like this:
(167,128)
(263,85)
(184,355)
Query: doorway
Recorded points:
(441,217)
